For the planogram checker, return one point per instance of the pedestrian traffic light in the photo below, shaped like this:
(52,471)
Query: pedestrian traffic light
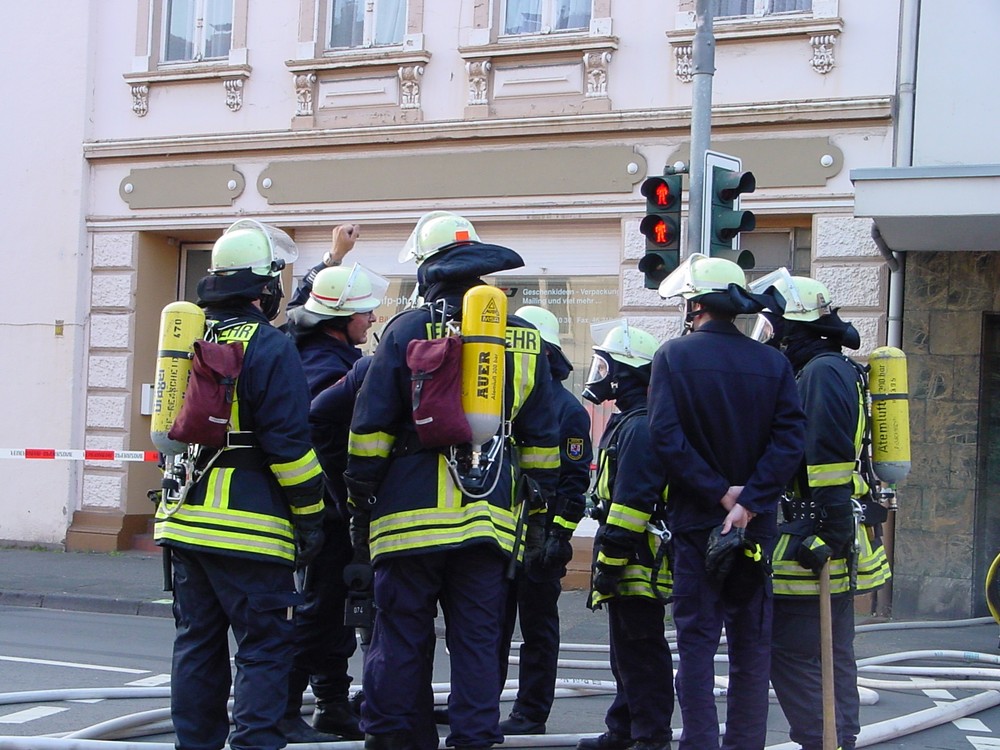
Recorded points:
(661,227)
(723,188)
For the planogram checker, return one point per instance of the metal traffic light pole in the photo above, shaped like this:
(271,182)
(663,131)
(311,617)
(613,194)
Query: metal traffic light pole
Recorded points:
(703,60)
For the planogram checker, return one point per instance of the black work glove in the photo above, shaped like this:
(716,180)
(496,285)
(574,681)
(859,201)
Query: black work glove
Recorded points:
(534,539)
(813,553)
(359,576)
(308,539)
(836,526)
(606,578)
(557,550)
(721,552)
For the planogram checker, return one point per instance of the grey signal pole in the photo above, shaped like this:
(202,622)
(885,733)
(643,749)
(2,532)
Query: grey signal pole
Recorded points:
(703,59)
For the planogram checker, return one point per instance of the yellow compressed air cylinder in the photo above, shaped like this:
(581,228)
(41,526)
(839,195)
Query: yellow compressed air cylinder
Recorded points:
(181,324)
(484,331)
(890,414)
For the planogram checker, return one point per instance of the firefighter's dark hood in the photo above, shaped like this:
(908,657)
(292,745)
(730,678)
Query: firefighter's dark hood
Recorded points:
(468,261)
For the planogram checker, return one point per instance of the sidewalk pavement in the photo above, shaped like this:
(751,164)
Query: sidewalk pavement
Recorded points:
(116,583)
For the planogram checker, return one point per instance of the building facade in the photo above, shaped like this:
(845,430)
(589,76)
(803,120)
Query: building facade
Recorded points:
(537,119)
(938,210)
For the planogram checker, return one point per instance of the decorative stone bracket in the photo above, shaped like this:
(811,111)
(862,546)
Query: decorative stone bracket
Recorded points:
(821,33)
(232,77)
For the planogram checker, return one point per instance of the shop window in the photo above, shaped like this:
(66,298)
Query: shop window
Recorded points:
(195,260)
(366,23)
(196,30)
(545,16)
(576,301)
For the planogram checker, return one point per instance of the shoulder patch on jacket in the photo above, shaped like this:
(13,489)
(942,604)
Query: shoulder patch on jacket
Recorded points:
(574,448)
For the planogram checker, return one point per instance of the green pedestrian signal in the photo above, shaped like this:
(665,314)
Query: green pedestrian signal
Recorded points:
(661,227)
(723,188)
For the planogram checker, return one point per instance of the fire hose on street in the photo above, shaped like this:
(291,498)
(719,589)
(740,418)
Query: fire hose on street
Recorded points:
(120,733)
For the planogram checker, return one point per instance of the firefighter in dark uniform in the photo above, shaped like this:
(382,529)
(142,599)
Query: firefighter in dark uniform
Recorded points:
(631,573)
(533,598)
(725,419)
(433,537)
(819,515)
(328,330)
(249,520)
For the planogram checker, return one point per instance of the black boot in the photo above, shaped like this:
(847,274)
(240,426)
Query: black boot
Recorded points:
(388,741)
(652,744)
(296,730)
(607,741)
(518,723)
(336,717)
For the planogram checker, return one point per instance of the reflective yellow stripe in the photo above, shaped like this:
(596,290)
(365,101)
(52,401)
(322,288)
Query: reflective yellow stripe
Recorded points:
(829,475)
(615,562)
(298,471)
(371,445)
(441,527)
(791,579)
(534,457)
(627,518)
(563,523)
(635,581)
(227,529)
(307,510)
(449,495)
(217,488)
(601,489)
(873,566)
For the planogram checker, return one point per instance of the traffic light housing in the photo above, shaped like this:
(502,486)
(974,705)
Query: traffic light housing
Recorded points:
(723,188)
(661,227)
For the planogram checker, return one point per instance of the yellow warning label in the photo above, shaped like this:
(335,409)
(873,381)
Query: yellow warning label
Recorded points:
(490,313)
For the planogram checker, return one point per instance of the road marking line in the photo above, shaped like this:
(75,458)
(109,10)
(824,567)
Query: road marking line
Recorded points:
(74,665)
(943,695)
(971,725)
(30,714)
(984,743)
(155,680)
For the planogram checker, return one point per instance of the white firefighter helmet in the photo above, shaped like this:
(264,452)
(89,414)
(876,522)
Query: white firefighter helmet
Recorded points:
(341,291)
(624,343)
(542,319)
(249,244)
(437,231)
(700,274)
(805,299)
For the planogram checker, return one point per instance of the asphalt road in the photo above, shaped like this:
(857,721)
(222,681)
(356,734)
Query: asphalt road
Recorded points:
(48,649)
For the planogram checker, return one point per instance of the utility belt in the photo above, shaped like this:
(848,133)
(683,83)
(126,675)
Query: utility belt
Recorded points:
(799,509)
(805,509)
(241,452)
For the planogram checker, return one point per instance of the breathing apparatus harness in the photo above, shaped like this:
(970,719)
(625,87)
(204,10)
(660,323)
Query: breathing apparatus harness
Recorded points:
(598,507)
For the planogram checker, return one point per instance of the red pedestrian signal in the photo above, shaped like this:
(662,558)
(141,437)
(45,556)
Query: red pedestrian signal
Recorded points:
(661,227)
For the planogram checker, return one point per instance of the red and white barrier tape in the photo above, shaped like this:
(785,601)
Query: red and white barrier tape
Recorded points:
(77,455)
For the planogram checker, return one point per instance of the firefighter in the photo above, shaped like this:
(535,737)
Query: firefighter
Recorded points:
(253,517)
(534,594)
(725,419)
(819,520)
(328,329)
(434,534)
(631,573)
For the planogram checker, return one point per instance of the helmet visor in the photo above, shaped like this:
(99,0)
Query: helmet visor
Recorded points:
(683,283)
(783,284)
(283,248)
(411,248)
(599,369)
(763,329)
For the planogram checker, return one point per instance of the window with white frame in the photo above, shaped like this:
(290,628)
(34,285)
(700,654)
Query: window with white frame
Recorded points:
(545,16)
(736,8)
(366,23)
(195,30)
